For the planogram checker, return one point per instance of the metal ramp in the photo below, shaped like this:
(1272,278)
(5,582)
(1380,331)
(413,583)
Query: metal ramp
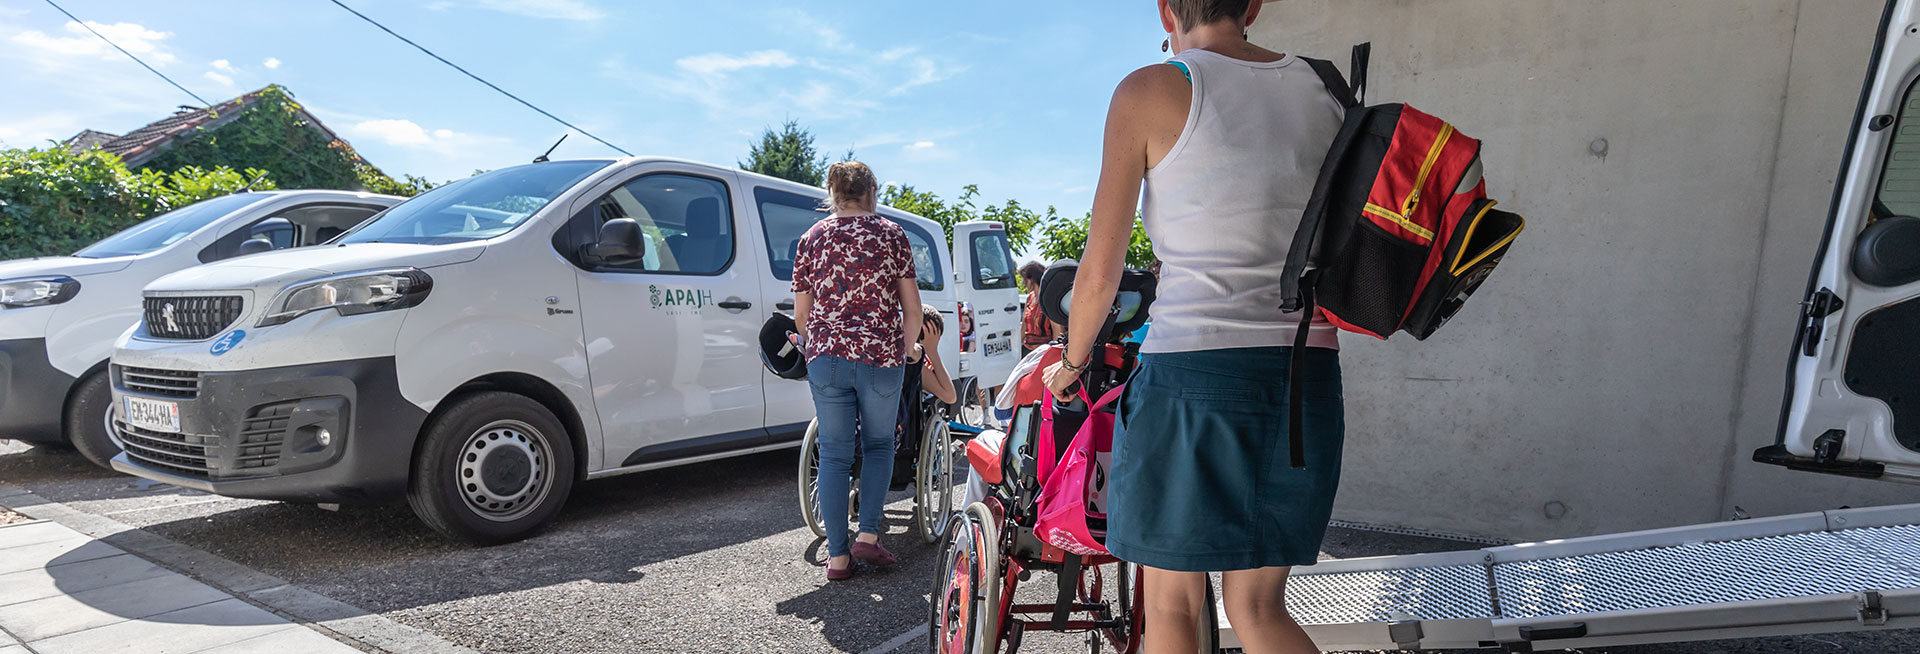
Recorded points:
(1833,571)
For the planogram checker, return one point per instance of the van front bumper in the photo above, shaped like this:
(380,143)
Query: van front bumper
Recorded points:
(33,394)
(337,431)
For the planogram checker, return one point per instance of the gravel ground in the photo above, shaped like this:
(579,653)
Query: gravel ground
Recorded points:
(710,557)
(9,517)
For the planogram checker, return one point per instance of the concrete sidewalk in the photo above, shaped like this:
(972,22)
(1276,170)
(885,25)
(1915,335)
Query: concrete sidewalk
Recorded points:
(63,592)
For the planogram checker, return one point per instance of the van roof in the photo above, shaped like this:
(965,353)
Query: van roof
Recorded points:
(762,180)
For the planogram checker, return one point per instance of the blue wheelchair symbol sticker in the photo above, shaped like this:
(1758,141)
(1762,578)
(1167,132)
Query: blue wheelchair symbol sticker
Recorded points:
(228,342)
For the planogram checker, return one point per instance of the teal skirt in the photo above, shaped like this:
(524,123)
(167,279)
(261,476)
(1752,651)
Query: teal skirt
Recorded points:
(1201,480)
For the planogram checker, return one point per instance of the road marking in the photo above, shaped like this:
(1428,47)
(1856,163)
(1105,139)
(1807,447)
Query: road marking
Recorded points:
(899,641)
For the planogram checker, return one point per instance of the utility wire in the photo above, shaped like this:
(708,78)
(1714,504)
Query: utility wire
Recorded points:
(477,78)
(203,101)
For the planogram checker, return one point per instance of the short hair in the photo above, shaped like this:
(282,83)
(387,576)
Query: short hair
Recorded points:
(931,316)
(1194,13)
(1032,272)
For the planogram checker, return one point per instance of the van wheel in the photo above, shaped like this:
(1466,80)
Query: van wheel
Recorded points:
(85,421)
(493,468)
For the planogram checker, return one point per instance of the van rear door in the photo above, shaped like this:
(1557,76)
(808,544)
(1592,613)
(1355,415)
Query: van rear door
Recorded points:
(1853,405)
(983,257)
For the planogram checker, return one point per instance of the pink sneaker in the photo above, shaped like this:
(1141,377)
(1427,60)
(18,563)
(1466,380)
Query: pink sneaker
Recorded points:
(873,553)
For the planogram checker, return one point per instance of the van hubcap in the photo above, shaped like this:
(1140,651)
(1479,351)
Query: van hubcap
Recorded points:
(505,470)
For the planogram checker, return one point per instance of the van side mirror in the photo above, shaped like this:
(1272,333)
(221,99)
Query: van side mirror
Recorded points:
(620,244)
(254,245)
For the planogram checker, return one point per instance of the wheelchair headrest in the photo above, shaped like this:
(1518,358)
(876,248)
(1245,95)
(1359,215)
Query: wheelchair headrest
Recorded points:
(782,357)
(1137,289)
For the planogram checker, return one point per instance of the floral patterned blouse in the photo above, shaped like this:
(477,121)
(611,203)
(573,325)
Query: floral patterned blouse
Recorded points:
(852,265)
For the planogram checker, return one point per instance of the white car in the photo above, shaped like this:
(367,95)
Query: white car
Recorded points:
(484,346)
(60,315)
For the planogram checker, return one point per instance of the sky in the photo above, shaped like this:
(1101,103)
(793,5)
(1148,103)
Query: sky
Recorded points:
(1007,95)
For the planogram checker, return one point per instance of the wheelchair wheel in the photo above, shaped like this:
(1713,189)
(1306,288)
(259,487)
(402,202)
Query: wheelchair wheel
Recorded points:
(1116,589)
(933,481)
(810,480)
(972,408)
(965,602)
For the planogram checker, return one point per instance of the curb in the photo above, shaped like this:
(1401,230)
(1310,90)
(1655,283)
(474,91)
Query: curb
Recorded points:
(339,620)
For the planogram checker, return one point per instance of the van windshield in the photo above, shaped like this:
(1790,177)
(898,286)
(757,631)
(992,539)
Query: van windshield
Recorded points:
(163,230)
(475,208)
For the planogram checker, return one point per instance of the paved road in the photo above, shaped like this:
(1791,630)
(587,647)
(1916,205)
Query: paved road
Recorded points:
(710,557)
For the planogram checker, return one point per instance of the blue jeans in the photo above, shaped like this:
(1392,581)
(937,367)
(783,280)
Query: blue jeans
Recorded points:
(856,403)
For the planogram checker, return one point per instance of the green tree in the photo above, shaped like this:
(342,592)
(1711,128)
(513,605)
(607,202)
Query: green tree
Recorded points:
(789,154)
(1022,223)
(54,201)
(1067,239)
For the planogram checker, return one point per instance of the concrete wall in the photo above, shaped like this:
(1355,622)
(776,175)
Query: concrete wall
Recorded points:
(1621,366)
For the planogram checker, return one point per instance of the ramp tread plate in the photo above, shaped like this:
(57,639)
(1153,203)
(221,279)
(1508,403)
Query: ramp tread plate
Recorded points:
(1774,567)
(1899,545)
(1435,593)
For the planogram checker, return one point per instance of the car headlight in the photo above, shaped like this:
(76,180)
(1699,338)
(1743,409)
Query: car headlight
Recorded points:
(350,294)
(37,291)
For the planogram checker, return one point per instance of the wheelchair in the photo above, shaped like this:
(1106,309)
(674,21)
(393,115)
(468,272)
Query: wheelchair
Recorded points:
(933,463)
(990,548)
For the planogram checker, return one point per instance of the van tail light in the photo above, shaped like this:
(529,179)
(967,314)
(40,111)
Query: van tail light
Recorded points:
(966,327)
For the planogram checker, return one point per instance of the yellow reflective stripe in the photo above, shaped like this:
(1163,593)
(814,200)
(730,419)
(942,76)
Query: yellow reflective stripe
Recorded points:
(1400,220)
(1426,168)
(1468,238)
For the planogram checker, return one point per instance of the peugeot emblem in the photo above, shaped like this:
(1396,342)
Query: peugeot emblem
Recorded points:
(166,315)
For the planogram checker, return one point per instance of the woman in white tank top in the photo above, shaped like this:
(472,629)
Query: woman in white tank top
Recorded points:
(1228,141)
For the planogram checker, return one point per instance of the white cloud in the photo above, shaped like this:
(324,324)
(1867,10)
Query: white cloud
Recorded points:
(271,63)
(403,133)
(920,145)
(391,131)
(136,38)
(217,78)
(925,72)
(557,9)
(222,64)
(715,63)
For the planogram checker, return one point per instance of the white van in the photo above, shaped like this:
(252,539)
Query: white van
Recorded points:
(62,314)
(484,346)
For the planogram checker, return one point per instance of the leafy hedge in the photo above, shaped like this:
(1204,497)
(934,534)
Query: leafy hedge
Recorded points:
(54,202)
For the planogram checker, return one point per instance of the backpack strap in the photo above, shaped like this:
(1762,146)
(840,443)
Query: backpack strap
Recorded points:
(1362,57)
(1336,84)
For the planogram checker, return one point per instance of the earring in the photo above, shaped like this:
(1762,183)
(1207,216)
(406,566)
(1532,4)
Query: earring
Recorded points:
(1166,45)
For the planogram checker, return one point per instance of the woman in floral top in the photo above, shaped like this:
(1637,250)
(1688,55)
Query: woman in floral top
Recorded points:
(857,304)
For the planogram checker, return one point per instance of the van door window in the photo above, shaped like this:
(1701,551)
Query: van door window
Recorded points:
(994,257)
(787,216)
(687,222)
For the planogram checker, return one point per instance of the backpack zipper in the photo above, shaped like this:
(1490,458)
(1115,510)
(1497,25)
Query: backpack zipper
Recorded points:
(1426,169)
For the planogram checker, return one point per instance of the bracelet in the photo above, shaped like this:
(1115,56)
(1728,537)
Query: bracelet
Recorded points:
(1064,363)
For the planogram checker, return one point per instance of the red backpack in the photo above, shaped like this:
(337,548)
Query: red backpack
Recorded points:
(1399,231)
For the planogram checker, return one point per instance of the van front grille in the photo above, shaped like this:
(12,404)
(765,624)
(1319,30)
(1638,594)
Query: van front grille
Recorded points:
(183,454)
(167,383)
(190,318)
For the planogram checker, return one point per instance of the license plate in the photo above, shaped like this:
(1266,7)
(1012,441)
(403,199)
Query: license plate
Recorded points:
(999,347)
(152,414)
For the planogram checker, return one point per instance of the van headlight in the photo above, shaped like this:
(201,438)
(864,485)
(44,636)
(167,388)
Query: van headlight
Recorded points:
(37,291)
(350,294)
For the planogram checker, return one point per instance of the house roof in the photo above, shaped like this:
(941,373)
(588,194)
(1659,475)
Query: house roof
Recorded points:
(87,138)
(139,145)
